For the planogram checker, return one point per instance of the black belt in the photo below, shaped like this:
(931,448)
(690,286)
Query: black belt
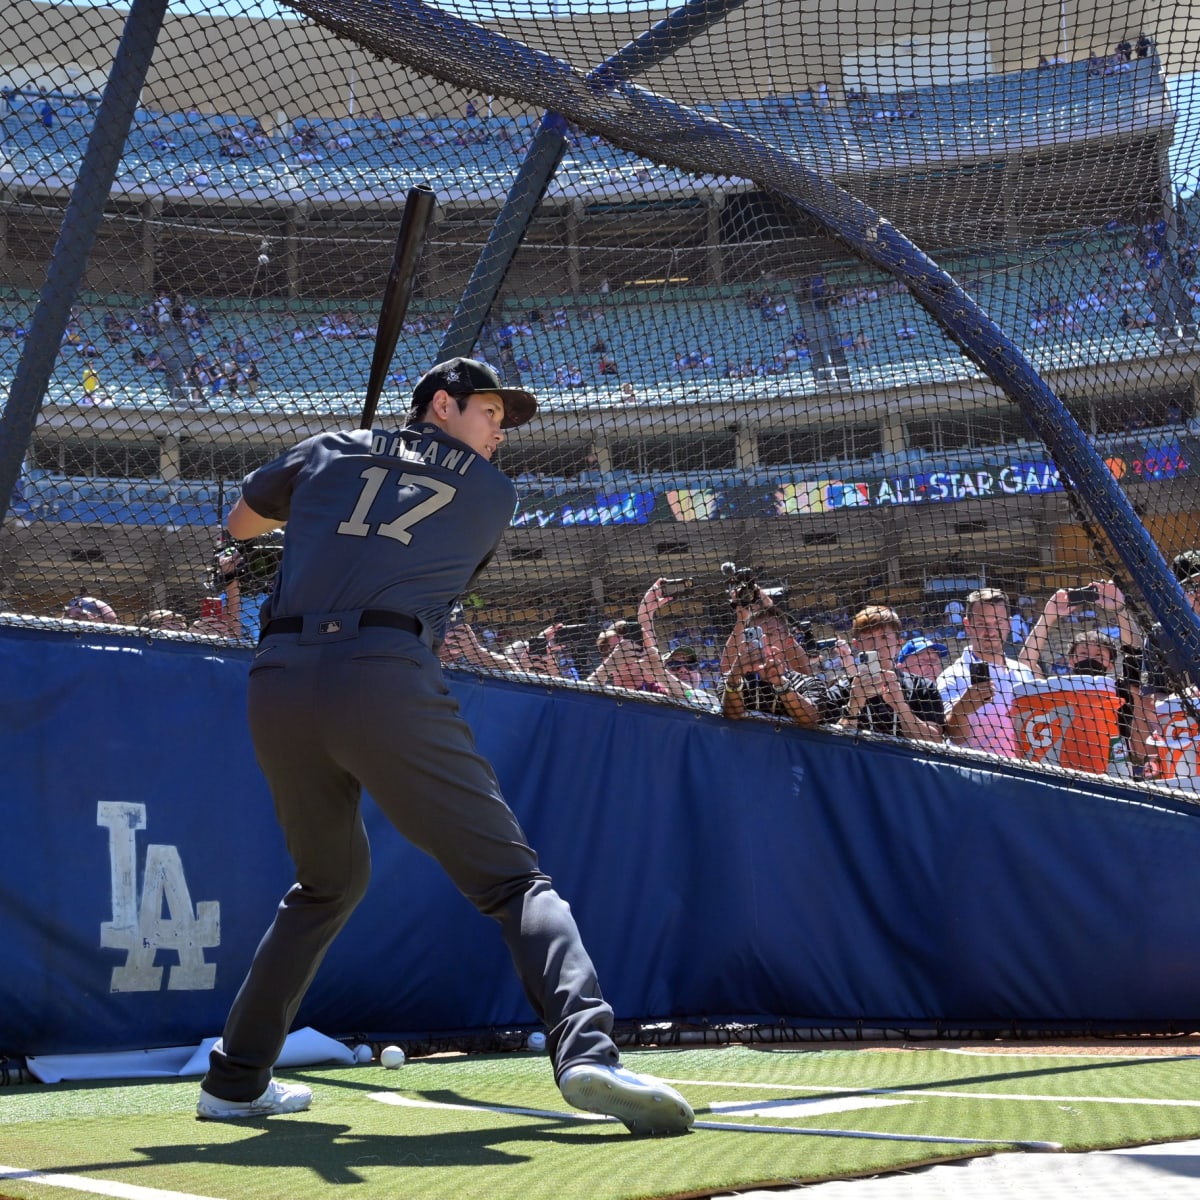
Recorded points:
(369,616)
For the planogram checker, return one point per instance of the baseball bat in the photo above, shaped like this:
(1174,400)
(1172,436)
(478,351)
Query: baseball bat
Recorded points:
(418,211)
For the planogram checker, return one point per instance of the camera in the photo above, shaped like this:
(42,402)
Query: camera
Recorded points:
(628,631)
(741,585)
(805,636)
(675,587)
(980,672)
(574,634)
(1083,595)
(755,638)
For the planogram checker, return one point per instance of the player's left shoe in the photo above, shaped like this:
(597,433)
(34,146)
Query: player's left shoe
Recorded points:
(277,1099)
(645,1104)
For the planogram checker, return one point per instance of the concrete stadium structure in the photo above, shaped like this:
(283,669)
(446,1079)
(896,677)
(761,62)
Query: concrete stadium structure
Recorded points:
(1023,171)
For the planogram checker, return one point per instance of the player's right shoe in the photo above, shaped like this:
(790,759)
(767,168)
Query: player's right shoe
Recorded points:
(645,1104)
(278,1098)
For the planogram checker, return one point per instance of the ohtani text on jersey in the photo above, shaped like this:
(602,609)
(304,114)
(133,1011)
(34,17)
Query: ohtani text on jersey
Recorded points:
(429,450)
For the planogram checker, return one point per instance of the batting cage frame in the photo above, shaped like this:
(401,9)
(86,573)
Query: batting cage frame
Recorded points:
(606,101)
(976,817)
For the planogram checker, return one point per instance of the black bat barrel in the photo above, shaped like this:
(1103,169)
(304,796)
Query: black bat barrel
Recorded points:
(418,212)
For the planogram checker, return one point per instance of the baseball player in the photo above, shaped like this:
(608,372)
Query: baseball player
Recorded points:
(384,530)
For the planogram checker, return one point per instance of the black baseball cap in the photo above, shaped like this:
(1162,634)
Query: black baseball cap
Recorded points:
(682,654)
(462,376)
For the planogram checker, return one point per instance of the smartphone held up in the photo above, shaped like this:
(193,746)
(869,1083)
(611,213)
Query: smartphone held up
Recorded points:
(868,661)
(671,588)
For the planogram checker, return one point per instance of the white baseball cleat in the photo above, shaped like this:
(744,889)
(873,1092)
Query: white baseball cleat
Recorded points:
(645,1104)
(278,1098)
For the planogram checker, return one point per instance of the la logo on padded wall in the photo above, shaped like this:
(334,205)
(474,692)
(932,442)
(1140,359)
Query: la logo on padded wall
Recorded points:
(139,926)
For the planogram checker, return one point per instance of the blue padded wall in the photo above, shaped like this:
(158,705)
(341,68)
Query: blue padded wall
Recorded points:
(718,870)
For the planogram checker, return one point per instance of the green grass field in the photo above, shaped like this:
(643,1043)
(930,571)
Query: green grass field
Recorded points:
(495,1125)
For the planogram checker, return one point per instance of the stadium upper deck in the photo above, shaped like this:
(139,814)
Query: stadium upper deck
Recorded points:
(362,161)
(730,419)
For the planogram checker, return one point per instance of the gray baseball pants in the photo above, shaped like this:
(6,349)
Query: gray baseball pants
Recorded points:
(375,711)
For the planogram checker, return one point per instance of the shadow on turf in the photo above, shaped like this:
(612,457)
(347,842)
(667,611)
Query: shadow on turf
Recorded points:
(336,1154)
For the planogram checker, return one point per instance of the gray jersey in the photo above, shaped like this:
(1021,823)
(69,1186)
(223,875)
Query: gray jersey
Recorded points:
(398,520)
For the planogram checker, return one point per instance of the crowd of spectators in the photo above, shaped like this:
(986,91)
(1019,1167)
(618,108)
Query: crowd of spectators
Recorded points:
(1125,284)
(517,345)
(1121,56)
(198,366)
(229,608)
(1082,686)
(786,352)
(169,337)
(174,338)
(309,140)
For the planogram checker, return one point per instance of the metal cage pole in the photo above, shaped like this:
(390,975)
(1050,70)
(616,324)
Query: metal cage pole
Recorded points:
(537,168)
(77,235)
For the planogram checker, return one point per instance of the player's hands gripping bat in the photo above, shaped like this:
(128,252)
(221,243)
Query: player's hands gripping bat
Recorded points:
(418,211)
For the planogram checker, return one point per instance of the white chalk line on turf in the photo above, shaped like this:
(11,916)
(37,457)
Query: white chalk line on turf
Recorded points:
(720,1126)
(799,1108)
(408,1102)
(103,1187)
(1115,1058)
(1149,1102)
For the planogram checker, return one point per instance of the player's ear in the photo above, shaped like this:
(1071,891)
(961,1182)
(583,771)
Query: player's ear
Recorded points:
(440,404)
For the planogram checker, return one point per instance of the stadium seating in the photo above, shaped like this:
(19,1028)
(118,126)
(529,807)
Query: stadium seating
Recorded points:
(889,339)
(999,112)
(648,338)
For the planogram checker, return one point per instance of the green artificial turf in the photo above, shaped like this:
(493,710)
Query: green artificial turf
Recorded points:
(447,1138)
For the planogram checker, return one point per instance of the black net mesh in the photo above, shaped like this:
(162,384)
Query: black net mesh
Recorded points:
(694,235)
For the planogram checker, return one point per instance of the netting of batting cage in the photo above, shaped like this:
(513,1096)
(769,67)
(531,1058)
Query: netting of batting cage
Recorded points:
(829,313)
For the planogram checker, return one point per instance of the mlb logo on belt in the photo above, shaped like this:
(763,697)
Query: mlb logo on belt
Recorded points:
(330,627)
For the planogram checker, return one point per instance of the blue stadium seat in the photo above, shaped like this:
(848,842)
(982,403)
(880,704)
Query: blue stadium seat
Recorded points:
(951,118)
